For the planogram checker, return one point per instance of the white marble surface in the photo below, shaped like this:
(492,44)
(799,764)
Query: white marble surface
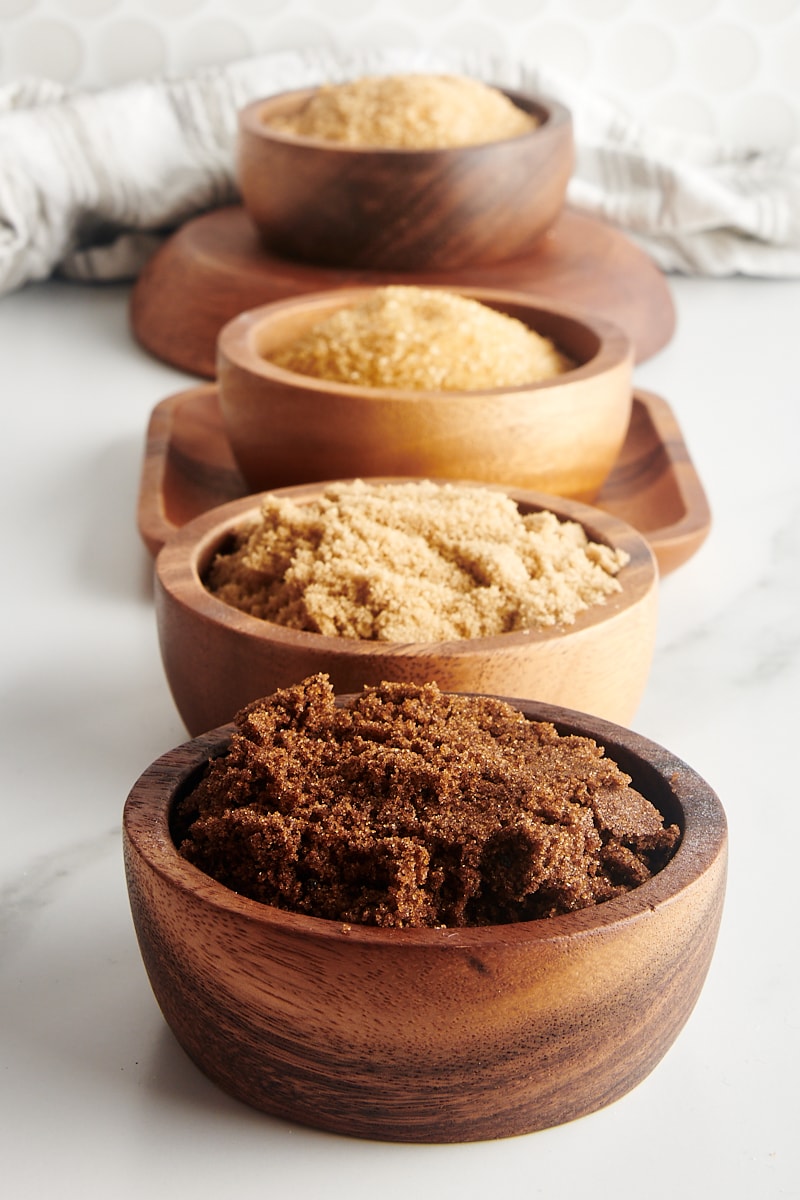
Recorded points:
(98,1100)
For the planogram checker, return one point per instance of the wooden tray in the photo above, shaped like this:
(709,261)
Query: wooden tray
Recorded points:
(216,266)
(189,468)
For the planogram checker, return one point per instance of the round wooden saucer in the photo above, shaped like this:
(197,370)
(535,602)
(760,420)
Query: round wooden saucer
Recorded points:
(215,266)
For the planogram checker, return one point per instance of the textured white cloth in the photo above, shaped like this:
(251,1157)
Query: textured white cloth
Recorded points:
(91,183)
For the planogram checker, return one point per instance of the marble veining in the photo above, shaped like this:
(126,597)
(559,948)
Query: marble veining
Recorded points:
(40,883)
(99,1100)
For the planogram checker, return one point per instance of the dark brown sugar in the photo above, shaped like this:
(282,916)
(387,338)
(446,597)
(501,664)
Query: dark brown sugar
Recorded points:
(411,807)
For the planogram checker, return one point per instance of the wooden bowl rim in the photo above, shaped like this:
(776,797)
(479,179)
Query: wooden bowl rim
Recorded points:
(236,342)
(703,838)
(187,552)
(555,121)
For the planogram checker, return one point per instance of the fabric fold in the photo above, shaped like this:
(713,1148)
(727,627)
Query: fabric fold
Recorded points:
(91,183)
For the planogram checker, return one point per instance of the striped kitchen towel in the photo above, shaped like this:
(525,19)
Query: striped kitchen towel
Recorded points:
(92,182)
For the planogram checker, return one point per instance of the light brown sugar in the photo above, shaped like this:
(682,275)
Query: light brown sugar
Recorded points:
(422,339)
(413,562)
(410,112)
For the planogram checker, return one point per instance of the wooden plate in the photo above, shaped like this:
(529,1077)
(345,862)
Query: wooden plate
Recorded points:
(189,468)
(216,266)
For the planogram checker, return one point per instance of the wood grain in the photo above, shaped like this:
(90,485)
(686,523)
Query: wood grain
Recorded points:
(216,266)
(400,209)
(561,435)
(188,468)
(429,1035)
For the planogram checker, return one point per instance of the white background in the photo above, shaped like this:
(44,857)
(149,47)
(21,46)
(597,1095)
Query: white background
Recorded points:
(99,1102)
(729,68)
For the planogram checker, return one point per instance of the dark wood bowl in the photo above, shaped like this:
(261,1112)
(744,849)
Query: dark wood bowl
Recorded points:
(217,658)
(429,1035)
(561,435)
(402,210)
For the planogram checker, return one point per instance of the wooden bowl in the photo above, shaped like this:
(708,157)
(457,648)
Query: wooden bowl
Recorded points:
(560,436)
(429,1035)
(217,658)
(402,210)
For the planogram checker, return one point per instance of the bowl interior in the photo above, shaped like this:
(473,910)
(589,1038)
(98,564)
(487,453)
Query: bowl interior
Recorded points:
(258,115)
(591,344)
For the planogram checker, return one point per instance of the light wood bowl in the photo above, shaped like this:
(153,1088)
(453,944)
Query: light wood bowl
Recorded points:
(560,436)
(403,210)
(434,1035)
(217,658)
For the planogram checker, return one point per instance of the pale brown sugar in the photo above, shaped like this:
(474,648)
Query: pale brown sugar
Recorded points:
(413,562)
(409,112)
(411,807)
(422,339)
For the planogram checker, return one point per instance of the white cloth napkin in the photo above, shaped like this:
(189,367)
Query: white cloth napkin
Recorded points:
(91,183)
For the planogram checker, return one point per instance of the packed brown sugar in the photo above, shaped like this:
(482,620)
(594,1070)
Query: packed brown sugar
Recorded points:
(412,562)
(412,807)
(407,112)
(423,339)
